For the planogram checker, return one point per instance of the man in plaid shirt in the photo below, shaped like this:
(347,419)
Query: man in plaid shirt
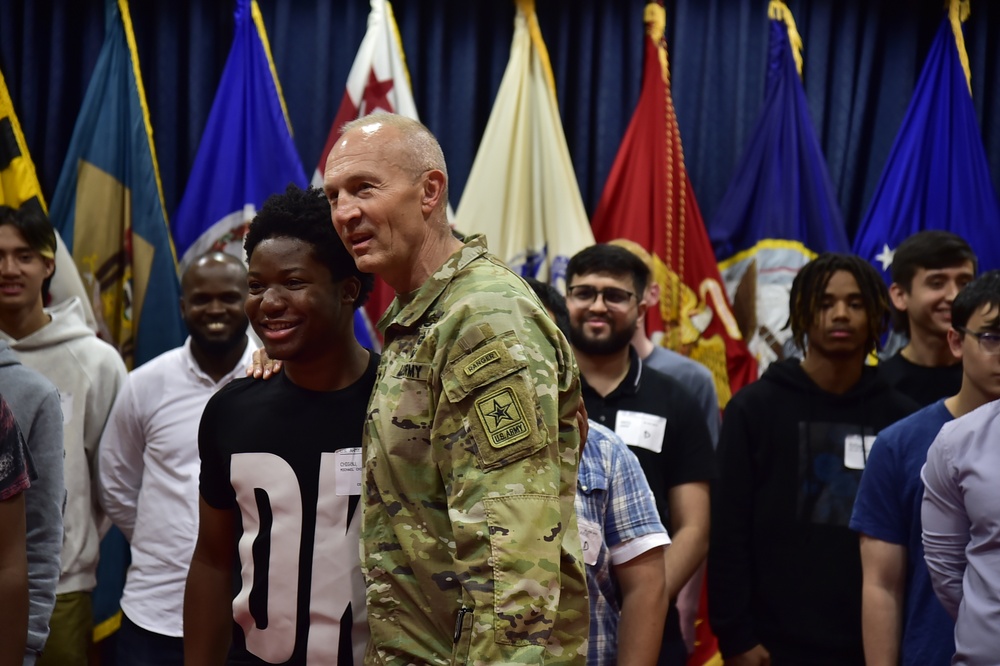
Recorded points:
(622,537)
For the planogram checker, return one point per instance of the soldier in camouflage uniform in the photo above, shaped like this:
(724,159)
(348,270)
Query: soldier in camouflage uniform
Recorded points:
(469,540)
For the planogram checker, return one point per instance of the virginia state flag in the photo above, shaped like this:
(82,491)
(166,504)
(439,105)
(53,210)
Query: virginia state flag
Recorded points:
(19,187)
(522,190)
(937,176)
(246,152)
(648,199)
(378,81)
(780,210)
(108,204)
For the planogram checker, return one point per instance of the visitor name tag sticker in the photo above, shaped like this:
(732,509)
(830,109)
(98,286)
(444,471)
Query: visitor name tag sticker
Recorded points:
(590,540)
(857,450)
(349,471)
(641,429)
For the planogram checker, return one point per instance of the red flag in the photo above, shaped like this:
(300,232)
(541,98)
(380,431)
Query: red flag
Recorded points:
(648,199)
(378,81)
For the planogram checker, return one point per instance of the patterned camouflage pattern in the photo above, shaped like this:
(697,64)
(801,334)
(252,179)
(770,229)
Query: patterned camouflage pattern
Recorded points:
(470,547)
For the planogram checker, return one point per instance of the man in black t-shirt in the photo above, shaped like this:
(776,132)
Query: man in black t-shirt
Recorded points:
(658,418)
(929,268)
(276,565)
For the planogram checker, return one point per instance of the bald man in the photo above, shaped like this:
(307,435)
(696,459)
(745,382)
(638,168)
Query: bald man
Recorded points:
(470,546)
(149,461)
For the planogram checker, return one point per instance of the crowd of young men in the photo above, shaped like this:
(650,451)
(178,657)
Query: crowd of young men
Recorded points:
(485,502)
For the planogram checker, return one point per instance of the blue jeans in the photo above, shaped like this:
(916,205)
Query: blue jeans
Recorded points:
(139,647)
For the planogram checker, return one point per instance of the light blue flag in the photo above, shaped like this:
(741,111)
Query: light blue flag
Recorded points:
(246,152)
(937,175)
(108,207)
(780,209)
(108,204)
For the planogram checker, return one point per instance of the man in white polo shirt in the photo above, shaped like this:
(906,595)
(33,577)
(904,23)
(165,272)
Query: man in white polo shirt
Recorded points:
(149,461)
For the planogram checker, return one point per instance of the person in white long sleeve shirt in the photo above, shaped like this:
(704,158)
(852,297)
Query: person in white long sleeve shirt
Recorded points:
(959,514)
(149,461)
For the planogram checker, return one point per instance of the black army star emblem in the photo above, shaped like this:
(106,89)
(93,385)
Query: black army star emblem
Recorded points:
(502,418)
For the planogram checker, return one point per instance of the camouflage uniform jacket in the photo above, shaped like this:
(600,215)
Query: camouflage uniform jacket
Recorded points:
(470,546)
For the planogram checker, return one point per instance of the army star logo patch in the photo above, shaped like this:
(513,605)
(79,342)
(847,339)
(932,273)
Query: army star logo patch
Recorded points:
(502,418)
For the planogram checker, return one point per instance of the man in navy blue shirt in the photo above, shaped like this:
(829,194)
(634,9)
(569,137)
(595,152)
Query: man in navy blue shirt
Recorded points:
(903,621)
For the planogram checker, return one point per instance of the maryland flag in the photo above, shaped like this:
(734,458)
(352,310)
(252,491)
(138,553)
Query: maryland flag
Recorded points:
(378,81)
(522,190)
(648,199)
(109,203)
(780,209)
(937,175)
(19,187)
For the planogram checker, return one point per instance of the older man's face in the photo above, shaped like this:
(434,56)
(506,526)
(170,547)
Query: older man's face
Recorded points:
(375,201)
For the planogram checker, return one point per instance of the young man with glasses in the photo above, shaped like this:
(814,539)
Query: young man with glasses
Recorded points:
(958,519)
(903,623)
(655,415)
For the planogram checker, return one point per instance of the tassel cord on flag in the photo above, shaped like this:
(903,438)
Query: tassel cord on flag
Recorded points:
(779,11)
(258,21)
(137,72)
(528,7)
(958,13)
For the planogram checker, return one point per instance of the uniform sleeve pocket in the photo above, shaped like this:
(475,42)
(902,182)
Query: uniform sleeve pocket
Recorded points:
(525,542)
(497,403)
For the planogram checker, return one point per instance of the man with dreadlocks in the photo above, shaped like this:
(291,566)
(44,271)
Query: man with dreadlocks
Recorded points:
(784,573)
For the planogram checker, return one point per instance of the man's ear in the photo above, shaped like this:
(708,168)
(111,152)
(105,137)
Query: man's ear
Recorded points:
(352,287)
(898,296)
(50,266)
(433,190)
(653,294)
(955,343)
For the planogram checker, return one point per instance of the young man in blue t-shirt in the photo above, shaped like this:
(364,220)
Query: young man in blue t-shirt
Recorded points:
(903,621)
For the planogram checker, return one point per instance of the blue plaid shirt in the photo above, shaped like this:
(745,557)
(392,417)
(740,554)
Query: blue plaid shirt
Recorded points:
(614,499)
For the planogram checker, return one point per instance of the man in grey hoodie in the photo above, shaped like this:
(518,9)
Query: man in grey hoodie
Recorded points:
(34,402)
(88,373)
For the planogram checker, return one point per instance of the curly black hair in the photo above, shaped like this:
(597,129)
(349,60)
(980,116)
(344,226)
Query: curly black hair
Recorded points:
(809,287)
(305,215)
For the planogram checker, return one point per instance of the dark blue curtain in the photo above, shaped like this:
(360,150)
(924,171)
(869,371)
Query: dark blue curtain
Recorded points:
(862,58)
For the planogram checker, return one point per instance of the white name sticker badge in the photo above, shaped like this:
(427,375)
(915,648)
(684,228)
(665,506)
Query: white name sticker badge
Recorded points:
(591,539)
(348,475)
(640,429)
(857,450)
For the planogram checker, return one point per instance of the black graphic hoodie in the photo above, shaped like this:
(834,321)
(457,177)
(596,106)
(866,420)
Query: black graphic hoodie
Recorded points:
(784,570)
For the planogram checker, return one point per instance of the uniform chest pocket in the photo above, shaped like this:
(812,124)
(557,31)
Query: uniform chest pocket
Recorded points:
(407,415)
(490,388)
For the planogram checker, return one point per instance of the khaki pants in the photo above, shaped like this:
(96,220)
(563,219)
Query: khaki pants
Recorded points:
(70,631)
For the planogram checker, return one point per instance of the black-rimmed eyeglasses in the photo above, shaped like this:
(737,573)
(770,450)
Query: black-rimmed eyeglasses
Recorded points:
(614,297)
